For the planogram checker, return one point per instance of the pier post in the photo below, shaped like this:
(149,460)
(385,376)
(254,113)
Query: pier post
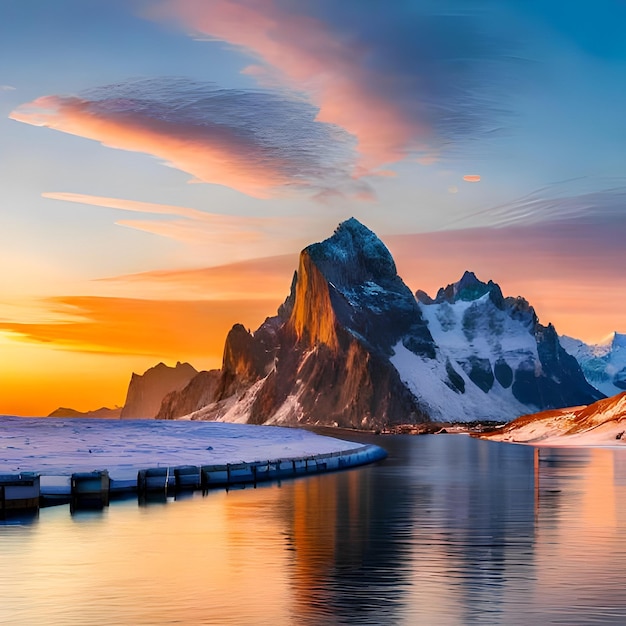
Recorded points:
(90,490)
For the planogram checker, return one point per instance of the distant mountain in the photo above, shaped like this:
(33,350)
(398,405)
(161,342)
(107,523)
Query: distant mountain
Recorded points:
(146,391)
(603,422)
(352,346)
(102,413)
(199,392)
(604,365)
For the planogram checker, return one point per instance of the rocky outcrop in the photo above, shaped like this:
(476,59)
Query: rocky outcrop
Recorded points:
(146,391)
(200,391)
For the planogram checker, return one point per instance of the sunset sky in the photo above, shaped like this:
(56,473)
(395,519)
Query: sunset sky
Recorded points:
(162,162)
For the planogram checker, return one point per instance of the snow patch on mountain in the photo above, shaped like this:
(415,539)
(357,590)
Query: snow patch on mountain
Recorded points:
(465,329)
(429,381)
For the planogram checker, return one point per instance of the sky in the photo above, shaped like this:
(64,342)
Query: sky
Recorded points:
(163,162)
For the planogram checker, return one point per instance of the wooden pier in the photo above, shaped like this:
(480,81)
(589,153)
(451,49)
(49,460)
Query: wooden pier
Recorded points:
(90,490)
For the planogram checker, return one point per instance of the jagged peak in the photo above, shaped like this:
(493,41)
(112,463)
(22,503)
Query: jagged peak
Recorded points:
(162,367)
(619,341)
(468,288)
(353,252)
(349,280)
(423,297)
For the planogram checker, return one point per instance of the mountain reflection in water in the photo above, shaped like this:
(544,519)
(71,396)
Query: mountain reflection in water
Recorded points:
(448,530)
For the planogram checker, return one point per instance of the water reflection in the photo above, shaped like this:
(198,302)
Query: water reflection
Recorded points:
(448,530)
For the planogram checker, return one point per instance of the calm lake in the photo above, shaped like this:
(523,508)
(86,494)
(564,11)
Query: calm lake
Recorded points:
(447,530)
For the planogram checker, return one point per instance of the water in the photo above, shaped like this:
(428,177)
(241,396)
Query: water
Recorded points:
(448,530)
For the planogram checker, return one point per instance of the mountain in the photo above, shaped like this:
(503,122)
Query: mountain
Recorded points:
(604,365)
(146,391)
(102,413)
(352,346)
(603,422)
(499,344)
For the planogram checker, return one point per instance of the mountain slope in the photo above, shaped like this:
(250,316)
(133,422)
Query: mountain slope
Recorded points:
(352,346)
(603,422)
(604,365)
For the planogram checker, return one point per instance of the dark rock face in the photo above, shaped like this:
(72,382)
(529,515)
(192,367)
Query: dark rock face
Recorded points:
(350,281)
(146,391)
(503,373)
(560,382)
(200,391)
(468,289)
(479,372)
(455,380)
(347,307)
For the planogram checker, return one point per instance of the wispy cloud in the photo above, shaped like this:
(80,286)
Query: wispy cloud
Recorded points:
(398,76)
(256,142)
(165,329)
(231,227)
(7,88)
(255,279)
(227,236)
(566,202)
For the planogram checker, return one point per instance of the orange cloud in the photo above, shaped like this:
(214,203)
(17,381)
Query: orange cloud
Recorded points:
(255,279)
(471,178)
(180,330)
(142,207)
(310,57)
(211,153)
(196,227)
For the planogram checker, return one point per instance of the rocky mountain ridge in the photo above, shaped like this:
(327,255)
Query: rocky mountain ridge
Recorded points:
(352,346)
(101,413)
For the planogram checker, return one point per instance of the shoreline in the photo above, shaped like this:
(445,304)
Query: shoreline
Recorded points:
(73,457)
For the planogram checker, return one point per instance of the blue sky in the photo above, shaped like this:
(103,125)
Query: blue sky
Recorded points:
(153,138)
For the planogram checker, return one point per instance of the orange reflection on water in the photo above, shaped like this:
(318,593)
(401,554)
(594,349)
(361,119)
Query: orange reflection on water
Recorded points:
(578,531)
(313,535)
(163,566)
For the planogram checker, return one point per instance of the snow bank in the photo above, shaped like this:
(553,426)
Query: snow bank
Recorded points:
(602,423)
(58,446)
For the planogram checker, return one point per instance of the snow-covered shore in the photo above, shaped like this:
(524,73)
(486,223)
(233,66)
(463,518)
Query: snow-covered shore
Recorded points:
(602,423)
(60,446)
